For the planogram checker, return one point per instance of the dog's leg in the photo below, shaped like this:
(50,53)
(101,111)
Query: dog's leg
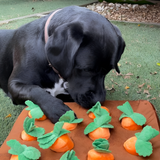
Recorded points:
(52,107)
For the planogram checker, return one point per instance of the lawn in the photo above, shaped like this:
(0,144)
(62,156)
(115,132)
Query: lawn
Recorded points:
(139,78)
(17,8)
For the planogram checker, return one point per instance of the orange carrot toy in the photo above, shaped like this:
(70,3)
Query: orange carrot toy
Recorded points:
(58,140)
(22,152)
(35,111)
(131,120)
(139,144)
(70,121)
(99,128)
(101,151)
(97,110)
(31,132)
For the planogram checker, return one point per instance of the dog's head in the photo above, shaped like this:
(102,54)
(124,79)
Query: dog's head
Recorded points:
(83,52)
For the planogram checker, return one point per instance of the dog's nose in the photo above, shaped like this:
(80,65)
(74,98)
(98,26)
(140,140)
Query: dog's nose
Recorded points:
(89,94)
(93,98)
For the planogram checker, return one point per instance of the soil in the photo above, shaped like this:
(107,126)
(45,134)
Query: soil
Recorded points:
(128,12)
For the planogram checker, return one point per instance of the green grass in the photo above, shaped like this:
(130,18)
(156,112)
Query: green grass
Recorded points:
(139,59)
(17,8)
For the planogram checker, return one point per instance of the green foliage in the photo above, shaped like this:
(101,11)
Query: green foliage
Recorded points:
(143,146)
(99,122)
(45,141)
(23,152)
(101,145)
(31,129)
(127,110)
(97,110)
(69,117)
(69,155)
(34,109)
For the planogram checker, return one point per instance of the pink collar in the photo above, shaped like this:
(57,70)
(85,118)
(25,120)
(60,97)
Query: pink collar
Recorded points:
(46,38)
(46,25)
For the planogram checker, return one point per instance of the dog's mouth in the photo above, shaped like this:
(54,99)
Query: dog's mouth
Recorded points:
(85,101)
(88,100)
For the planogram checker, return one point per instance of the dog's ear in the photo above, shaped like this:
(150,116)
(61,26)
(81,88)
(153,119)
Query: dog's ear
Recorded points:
(119,51)
(62,46)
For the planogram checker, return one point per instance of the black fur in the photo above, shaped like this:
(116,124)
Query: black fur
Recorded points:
(83,46)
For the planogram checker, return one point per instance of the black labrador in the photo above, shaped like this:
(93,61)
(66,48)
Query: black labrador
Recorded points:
(67,52)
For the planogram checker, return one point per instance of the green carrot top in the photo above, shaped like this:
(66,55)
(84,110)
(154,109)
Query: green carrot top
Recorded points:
(23,152)
(69,155)
(101,145)
(31,129)
(102,121)
(143,146)
(97,110)
(35,110)
(127,110)
(45,141)
(69,117)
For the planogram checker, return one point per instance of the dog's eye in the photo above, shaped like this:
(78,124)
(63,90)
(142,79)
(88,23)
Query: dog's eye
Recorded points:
(84,69)
(87,70)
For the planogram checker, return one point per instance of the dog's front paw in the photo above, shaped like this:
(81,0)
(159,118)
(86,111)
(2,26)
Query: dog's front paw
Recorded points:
(57,111)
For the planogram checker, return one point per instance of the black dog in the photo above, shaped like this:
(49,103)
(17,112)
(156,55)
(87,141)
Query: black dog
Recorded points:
(82,47)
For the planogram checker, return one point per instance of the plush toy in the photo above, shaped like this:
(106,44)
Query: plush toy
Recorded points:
(22,152)
(100,150)
(99,128)
(57,140)
(97,110)
(35,111)
(131,120)
(69,155)
(139,144)
(31,132)
(70,121)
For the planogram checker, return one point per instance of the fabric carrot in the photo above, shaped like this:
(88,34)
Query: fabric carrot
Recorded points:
(100,150)
(139,144)
(97,110)
(99,128)
(131,120)
(58,140)
(22,152)
(31,132)
(70,121)
(69,155)
(35,111)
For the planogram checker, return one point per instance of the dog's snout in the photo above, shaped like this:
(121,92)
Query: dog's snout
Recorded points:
(89,94)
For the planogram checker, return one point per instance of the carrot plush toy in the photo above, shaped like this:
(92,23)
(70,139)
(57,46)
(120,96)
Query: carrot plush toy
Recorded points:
(69,155)
(139,144)
(131,120)
(22,152)
(99,128)
(31,132)
(35,111)
(70,121)
(101,150)
(97,110)
(58,140)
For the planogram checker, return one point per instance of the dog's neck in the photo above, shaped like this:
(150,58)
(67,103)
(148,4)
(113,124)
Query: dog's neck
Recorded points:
(46,36)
